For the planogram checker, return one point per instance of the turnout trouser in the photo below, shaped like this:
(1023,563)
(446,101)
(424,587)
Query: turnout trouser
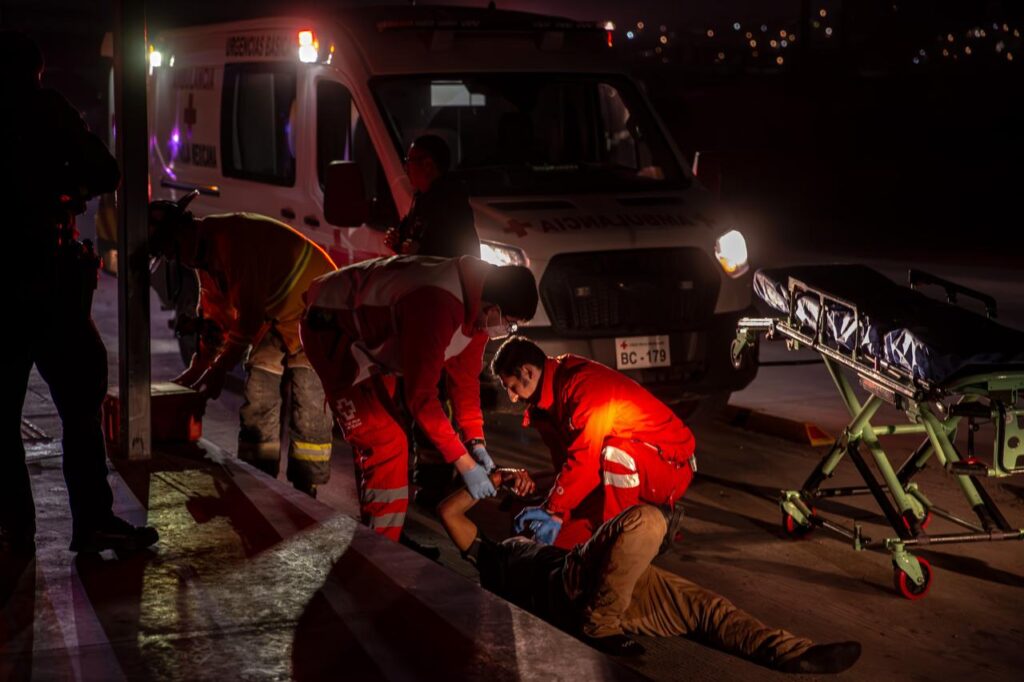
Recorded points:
(371,423)
(632,472)
(70,356)
(271,371)
(623,593)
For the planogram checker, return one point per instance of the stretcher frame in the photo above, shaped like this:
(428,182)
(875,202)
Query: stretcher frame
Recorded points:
(936,411)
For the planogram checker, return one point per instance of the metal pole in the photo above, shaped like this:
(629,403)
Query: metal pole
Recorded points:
(133,276)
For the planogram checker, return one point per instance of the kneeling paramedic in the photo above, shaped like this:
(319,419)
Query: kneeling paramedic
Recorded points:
(612,443)
(252,273)
(410,316)
(605,590)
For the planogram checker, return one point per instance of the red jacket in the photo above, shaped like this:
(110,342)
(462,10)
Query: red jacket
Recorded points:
(582,404)
(412,316)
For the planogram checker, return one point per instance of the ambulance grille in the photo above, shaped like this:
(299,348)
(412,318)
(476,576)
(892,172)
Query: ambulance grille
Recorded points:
(619,293)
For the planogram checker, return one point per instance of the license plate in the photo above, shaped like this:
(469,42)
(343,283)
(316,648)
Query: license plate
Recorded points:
(638,352)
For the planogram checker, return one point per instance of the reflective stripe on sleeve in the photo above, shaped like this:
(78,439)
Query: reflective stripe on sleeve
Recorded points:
(611,453)
(293,277)
(622,480)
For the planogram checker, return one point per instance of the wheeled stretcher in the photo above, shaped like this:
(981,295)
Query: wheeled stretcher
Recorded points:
(945,367)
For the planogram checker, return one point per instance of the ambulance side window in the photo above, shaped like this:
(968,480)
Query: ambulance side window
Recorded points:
(341,135)
(257,135)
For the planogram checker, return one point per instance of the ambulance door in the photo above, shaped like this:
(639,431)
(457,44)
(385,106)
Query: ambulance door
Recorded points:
(342,135)
(259,114)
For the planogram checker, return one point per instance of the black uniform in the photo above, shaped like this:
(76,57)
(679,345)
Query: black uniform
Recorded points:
(440,223)
(50,165)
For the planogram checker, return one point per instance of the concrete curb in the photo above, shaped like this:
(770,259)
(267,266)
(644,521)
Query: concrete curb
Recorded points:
(780,427)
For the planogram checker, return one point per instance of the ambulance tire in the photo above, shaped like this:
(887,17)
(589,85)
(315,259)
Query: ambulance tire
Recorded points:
(703,409)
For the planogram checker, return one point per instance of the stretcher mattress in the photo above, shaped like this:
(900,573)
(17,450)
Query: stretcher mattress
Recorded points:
(932,340)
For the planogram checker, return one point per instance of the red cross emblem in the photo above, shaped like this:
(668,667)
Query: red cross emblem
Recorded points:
(624,345)
(190,114)
(517,227)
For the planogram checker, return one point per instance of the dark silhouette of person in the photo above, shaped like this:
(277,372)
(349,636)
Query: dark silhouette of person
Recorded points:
(51,165)
(440,221)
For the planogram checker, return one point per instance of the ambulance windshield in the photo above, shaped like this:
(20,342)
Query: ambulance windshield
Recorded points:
(535,133)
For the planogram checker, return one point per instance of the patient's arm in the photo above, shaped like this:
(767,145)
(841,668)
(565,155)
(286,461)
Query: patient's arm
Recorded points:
(453,508)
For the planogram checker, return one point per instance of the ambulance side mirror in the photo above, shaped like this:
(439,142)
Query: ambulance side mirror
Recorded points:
(345,203)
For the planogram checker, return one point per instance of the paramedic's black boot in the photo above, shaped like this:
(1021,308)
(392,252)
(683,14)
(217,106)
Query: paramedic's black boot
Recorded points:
(615,645)
(429,551)
(116,534)
(824,658)
(308,488)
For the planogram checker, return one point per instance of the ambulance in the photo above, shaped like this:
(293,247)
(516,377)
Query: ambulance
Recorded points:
(568,168)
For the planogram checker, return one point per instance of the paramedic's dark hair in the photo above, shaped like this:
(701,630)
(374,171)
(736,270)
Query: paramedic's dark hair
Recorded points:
(514,353)
(436,149)
(513,289)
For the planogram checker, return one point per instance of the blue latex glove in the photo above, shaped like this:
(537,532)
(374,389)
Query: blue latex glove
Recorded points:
(478,483)
(545,527)
(479,453)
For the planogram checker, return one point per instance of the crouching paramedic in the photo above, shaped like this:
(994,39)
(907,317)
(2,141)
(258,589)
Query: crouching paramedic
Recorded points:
(410,316)
(613,444)
(252,274)
(606,590)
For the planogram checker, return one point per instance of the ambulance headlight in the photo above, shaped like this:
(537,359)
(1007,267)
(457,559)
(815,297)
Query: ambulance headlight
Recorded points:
(731,252)
(502,254)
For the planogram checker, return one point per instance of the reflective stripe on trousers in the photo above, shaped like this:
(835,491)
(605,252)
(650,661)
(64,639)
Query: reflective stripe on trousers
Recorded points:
(310,452)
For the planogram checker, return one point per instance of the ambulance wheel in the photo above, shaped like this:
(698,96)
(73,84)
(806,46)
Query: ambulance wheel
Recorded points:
(794,529)
(906,586)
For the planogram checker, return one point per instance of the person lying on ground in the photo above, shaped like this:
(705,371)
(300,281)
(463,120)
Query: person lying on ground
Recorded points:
(605,591)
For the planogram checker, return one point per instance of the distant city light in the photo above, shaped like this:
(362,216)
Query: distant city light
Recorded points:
(721,55)
(779,60)
(1006,28)
(816,24)
(749,35)
(822,13)
(967,49)
(945,52)
(782,33)
(792,37)
(922,52)
(949,37)
(711,33)
(736,26)
(630,35)
(755,54)
(917,60)
(1009,56)
(663,28)
(658,49)
(785,43)
(753,43)
(640,25)
(1000,46)
(828,30)
(773,43)
(764,28)
(664,40)
(609,25)
(1016,33)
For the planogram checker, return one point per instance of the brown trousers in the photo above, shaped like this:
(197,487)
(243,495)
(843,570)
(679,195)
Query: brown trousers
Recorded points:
(623,593)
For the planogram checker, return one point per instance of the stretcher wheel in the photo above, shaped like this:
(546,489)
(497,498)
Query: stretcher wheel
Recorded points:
(907,587)
(794,529)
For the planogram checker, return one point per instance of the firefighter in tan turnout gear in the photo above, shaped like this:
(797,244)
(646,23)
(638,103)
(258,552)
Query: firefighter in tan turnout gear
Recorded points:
(253,272)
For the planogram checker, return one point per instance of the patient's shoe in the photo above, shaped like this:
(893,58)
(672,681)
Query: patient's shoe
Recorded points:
(824,658)
(615,645)
(116,534)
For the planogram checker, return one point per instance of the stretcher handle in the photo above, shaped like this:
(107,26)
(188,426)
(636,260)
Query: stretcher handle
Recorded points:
(919,277)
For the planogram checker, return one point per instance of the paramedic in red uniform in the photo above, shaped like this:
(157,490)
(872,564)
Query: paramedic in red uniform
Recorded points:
(613,444)
(253,272)
(410,316)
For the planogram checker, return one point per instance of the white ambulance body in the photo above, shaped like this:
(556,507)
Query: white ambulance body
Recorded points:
(568,168)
